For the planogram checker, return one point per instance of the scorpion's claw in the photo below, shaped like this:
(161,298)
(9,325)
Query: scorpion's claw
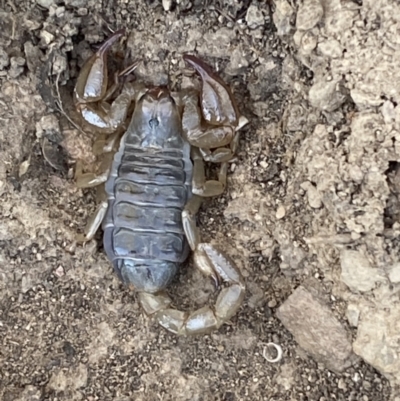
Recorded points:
(92,91)
(217,102)
(92,82)
(210,126)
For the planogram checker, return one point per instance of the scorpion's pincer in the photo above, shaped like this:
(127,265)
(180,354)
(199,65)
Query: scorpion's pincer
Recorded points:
(91,85)
(217,102)
(93,93)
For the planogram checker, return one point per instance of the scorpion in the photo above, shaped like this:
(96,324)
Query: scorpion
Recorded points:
(154,183)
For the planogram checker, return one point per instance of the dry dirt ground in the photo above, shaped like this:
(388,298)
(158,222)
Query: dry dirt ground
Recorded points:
(312,197)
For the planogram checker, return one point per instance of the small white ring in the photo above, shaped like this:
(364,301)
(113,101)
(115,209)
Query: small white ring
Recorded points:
(278,350)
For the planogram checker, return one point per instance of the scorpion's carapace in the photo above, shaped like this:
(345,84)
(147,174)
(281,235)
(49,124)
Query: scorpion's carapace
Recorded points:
(156,181)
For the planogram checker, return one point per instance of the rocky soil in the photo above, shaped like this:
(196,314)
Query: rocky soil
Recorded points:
(311,213)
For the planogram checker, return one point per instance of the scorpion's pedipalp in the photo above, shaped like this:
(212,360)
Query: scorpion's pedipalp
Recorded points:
(91,85)
(209,137)
(109,122)
(92,91)
(220,112)
(215,140)
(217,102)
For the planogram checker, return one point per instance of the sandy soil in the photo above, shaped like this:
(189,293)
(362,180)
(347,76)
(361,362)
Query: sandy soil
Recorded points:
(69,330)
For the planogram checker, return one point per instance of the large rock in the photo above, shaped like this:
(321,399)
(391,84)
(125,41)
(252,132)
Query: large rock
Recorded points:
(316,330)
(326,95)
(357,272)
(378,340)
(254,17)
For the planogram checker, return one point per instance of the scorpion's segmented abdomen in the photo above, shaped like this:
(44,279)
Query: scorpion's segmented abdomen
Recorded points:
(143,233)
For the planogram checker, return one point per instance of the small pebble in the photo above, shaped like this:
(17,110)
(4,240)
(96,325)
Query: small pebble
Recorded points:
(45,3)
(280,213)
(23,168)
(17,67)
(4,59)
(254,17)
(60,11)
(47,37)
(59,272)
(167,4)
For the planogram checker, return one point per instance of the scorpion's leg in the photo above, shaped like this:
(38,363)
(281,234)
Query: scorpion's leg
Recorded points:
(218,130)
(100,148)
(189,221)
(200,185)
(89,180)
(211,262)
(94,222)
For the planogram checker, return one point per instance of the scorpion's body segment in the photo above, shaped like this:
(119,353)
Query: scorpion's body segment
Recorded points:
(148,187)
(156,182)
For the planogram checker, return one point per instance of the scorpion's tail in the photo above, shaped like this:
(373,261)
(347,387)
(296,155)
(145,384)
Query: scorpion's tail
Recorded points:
(212,262)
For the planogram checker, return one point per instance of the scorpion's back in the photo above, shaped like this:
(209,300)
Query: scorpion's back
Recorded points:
(149,184)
